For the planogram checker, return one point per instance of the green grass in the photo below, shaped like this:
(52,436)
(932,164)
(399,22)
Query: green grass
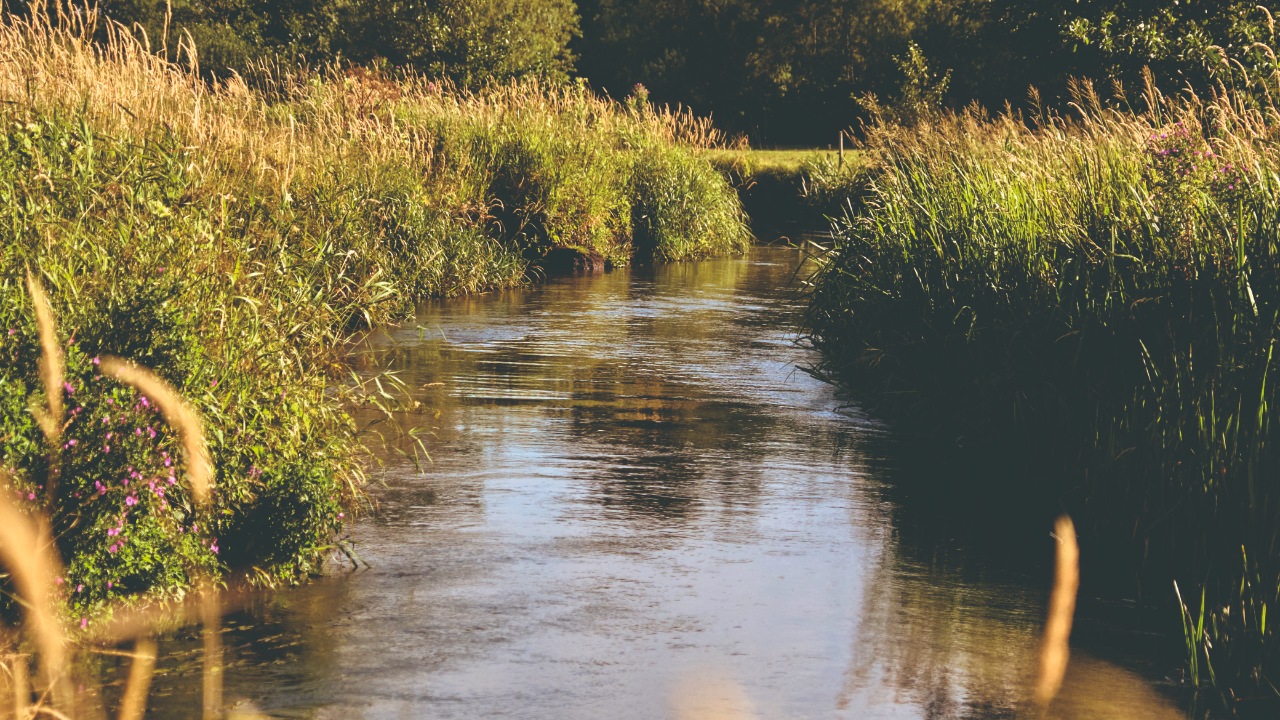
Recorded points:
(1100,297)
(232,237)
(779,162)
(807,187)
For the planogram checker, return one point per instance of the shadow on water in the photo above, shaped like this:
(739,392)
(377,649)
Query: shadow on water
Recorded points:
(634,489)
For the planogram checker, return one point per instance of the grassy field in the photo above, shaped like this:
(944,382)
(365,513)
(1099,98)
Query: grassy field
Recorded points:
(1100,298)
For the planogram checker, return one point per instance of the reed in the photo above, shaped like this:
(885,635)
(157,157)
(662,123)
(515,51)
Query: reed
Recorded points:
(1092,298)
(1055,650)
(25,549)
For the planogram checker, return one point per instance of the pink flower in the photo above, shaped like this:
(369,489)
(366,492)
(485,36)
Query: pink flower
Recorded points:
(106,449)
(80,588)
(131,501)
(112,550)
(145,402)
(31,496)
(84,623)
(96,361)
(69,388)
(109,584)
(214,547)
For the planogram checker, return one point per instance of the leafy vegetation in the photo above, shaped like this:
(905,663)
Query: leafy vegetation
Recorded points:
(231,237)
(470,42)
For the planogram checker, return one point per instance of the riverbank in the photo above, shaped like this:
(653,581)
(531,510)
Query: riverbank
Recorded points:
(232,236)
(1091,304)
(794,191)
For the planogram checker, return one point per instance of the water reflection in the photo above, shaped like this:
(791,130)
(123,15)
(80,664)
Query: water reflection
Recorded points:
(634,489)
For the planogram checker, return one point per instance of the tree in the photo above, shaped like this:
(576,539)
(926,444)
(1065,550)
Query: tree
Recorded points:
(470,41)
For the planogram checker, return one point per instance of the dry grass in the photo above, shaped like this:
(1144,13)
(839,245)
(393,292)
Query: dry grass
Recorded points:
(281,125)
(27,551)
(1055,650)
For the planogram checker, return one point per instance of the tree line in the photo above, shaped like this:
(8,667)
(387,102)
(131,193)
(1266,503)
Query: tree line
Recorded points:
(780,71)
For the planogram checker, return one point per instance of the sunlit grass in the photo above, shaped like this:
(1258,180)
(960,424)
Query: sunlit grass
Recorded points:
(232,236)
(1098,292)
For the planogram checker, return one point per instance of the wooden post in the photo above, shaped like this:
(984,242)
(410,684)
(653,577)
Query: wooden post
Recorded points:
(841,148)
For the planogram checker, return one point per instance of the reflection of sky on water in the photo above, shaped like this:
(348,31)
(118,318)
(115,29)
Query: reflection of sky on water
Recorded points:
(632,485)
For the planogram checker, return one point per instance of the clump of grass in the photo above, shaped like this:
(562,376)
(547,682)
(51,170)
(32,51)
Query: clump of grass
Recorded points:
(1100,291)
(684,209)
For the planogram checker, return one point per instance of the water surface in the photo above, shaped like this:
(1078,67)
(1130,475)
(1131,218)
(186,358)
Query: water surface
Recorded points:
(636,502)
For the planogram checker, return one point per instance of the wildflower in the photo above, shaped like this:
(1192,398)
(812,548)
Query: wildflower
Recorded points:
(80,588)
(214,547)
(106,449)
(131,501)
(13,331)
(96,361)
(31,496)
(145,402)
(112,550)
(69,388)
(84,623)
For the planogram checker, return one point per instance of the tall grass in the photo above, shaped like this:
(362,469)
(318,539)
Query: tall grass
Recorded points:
(232,236)
(1101,291)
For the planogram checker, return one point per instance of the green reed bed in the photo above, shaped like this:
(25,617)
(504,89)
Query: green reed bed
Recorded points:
(232,236)
(1102,292)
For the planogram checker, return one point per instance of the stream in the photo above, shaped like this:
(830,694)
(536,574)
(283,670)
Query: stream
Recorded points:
(638,505)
